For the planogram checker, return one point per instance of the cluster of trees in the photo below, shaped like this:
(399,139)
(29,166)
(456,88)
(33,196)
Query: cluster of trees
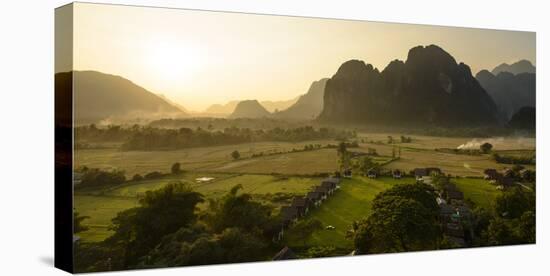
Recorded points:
(111,133)
(93,177)
(403,218)
(167,229)
(511,221)
(510,159)
(155,138)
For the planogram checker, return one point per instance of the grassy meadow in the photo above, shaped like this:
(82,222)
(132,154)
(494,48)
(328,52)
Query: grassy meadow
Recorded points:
(288,173)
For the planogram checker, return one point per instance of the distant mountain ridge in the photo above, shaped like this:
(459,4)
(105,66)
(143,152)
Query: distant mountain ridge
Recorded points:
(522,66)
(249,109)
(226,109)
(99,96)
(510,92)
(429,88)
(309,105)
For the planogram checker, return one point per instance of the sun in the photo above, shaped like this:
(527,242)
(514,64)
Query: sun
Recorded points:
(172,62)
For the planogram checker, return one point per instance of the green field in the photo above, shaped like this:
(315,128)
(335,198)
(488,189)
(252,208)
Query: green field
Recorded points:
(350,203)
(478,190)
(288,173)
(101,205)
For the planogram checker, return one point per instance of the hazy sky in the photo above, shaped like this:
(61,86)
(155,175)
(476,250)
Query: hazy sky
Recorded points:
(199,58)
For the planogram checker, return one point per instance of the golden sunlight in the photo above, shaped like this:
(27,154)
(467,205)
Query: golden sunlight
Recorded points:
(172,61)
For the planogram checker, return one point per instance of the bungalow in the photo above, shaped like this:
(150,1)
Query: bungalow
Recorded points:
(314,198)
(289,215)
(433,171)
(330,183)
(347,173)
(323,191)
(285,254)
(455,195)
(330,187)
(445,212)
(334,180)
(491,174)
(396,174)
(419,173)
(301,204)
(372,173)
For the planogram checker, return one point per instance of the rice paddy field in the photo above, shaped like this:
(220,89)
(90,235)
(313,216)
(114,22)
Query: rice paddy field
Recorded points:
(289,173)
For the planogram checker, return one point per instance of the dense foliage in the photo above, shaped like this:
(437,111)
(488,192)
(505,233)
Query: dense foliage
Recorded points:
(167,229)
(403,218)
(91,177)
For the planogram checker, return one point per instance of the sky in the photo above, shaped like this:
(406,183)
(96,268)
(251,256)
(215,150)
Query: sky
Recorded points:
(199,58)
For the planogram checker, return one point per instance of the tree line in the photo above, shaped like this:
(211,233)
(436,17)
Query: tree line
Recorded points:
(150,138)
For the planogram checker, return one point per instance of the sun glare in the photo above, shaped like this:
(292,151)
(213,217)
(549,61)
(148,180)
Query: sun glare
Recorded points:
(172,62)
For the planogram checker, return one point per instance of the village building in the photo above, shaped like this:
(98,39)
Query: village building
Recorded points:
(314,198)
(445,212)
(289,215)
(396,174)
(347,173)
(323,191)
(490,174)
(419,173)
(372,173)
(301,204)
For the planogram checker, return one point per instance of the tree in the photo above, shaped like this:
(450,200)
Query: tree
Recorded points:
(137,177)
(343,155)
(305,228)
(236,155)
(77,220)
(403,218)
(176,168)
(366,163)
(238,210)
(527,227)
(499,232)
(514,202)
(486,147)
(161,212)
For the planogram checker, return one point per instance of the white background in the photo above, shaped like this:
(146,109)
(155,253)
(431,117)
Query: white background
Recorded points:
(27,153)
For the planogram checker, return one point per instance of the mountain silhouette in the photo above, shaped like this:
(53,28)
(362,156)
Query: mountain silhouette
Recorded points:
(99,96)
(249,109)
(309,105)
(510,92)
(525,118)
(429,88)
(522,66)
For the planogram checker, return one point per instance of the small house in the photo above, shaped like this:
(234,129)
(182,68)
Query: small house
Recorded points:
(314,198)
(491,174)
(289,215)
(433,171)
(396,174)
(372,173)
(322,191)
(301,204)
(419,173)
(347,173)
